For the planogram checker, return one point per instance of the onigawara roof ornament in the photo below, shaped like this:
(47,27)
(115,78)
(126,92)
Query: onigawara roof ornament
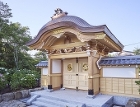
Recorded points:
(58,13)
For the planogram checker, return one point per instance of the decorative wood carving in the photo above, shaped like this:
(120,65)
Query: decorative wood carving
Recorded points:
(112,44)
(83,48)
(58,51)
(57,31)
(67,50)
(100,36)
(78,49)
(67,39)
(69,67)
(99,50)
(85,67)
(58,35)
(52,51)
(84,38)
(99,67)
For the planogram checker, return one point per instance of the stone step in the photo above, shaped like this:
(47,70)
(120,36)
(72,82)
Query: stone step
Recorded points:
(71,101)
(43,104)
(60,102)
(32,106)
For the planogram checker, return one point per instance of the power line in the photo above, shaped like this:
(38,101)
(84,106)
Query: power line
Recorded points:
(132,44)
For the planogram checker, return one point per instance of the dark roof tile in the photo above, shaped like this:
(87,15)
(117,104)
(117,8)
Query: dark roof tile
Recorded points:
(120,60)
(42,64)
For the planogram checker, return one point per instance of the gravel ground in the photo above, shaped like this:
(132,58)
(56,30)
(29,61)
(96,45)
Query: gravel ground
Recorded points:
(12,103)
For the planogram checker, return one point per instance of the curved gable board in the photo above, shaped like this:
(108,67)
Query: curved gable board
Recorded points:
(119,72)
(56,66)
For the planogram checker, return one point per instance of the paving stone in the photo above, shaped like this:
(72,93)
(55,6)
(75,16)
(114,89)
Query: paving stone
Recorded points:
(0,98)
(73,96)
(8,96)
(133,103)
(18,95)
(12,103)
(25,93)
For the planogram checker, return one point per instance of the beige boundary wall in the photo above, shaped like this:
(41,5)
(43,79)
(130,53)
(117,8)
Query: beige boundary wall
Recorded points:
(44,80)
(119,86)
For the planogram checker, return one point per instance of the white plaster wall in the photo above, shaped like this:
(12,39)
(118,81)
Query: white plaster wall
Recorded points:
(120,72)
(56,66)
(44,71)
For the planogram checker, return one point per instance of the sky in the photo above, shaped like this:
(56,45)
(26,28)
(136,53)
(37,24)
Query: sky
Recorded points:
(121,16)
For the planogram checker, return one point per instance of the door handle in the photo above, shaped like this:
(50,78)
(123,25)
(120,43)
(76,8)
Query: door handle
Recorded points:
(76,74)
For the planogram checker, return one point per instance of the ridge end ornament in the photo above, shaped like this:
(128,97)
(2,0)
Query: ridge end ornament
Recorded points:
(58,13)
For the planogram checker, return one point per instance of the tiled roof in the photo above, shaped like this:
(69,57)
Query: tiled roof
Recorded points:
(120,60)
(74,19)
(74,22)
(42,64)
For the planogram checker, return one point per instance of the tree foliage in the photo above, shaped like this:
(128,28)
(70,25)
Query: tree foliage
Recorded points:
(40,56)
(5,11)
(24,79)
(18,79)
(13,48)
(136,51)
(17,67)
(3,26)
(13,37)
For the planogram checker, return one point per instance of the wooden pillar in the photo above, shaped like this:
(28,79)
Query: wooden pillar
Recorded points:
(49,73)
(62,74)
(90,75)
(96,75)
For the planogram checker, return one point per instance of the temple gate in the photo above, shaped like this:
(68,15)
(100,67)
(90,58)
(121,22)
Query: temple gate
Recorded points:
(74,49)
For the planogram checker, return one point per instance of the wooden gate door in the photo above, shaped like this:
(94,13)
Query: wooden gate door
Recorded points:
(83,74)
(75,73)
(69,73)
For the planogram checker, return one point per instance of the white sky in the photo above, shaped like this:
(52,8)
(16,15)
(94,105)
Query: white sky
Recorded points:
(121,16)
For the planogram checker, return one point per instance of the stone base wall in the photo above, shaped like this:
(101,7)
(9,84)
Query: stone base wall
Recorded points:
(17,95)
(122,100)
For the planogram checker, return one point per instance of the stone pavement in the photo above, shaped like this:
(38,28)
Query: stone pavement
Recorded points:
(12,103)
(75,97)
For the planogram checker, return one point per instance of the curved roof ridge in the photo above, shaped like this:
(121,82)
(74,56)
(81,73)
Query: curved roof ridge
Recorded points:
(61,19)
(77,20)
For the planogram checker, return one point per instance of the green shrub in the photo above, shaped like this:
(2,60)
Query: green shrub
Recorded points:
(15,81)
(8,74)
(23,79)
(2,70)
(28,81)
(138,83)
(3,82)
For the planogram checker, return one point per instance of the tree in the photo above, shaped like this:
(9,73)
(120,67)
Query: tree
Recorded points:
(13,37)
(5,11)
(40,56)
(14,44)
(136,51)
(13,53)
